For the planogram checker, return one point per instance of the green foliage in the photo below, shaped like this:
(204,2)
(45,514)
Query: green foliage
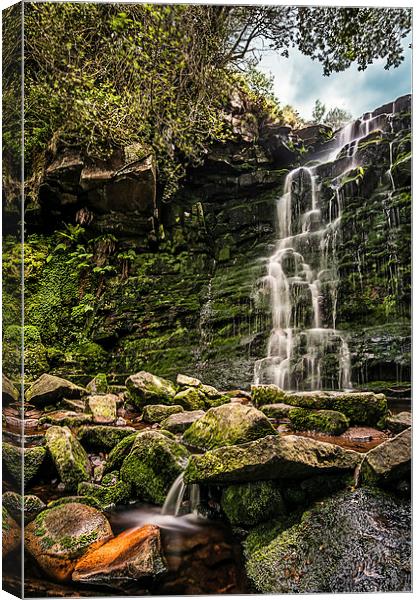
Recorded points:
(333,117)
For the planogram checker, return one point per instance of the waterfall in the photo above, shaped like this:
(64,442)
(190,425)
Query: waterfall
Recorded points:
(304,349)
(182,498)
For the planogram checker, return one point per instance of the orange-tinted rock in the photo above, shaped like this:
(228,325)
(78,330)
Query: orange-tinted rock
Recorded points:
(11,533)
(133,555)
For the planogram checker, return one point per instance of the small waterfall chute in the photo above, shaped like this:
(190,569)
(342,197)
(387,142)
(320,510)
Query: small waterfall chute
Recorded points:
(182,498)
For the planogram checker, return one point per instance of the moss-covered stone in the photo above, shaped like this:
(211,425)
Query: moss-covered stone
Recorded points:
(389,462)
(191,399)
(266,394)
(276,411)
(86,500)
(155,413)
(103,437)
(11,533)
(9,391)
(152,465)
(145,388)
(103,408)
(329,422)
(181,421)
(111,491)
(399,422)
(119,453)
(69,456)
(49,389)
(228,425)
(65,417)
(252,503)
(18,461)
(98,385)
(28,506)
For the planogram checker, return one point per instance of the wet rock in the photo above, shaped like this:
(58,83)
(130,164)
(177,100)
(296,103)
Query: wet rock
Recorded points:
(389,462)
(361,408)
(49,389)
(353,542)
(179,422)
(271,457)
(152,465)
(11,533)
(330,422)
(186,381)
(276,411)
(191,399)
(118,454)
(399,422)
(14,456)
(145,388)
(29,505)
(155,413)
(103,408)
(266,394)
(86,500)
(228,425)
(133,555)
(98,385)
(69,456)
(65,417)
(103,437)
(252,503)
(9,391)
(59,536)
(307,491)
(111,490)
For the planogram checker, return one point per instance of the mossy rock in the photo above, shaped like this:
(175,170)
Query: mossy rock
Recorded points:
(15,456)
(399,422)
(266,394)
(179,422)
(155,413)
(389,462)
(9,391)
(118,454)
(28,505)
(59,536)
(145,388)
(191,399)
(87,500)
(65,417)
(103,437)
(103,408)
(228,425)
(11,533)
(251,503)
(152,465)
(98,385)
(329,422)
(68,455)
(49,389)
(276,411)
(111,491)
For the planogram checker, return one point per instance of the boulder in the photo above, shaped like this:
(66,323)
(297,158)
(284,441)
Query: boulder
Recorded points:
(69,456)
(277,411)
(155,413)
(352,542)
(118,454)
(49,389)
(228,425)
(191,399)
(103,408)
(133,555)
(266,394)
(103,437)
(85,500)
(110,492)
(186,381)
(9,392)
(330,422)
(65,417)
(145,388)
(389,462)
(271,457)
(152,465)
(11,533)
(252,503)
(179,422)
(59,536)
(399,422)
(13,456)
(98,385)
(16,504)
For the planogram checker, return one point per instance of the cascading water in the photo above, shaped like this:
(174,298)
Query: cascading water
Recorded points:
(182,498)
(305,351)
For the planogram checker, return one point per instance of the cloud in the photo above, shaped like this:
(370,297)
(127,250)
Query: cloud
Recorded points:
(298,81)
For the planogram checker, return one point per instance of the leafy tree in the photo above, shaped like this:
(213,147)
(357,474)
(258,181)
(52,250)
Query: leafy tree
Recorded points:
(337,117)
(318,112)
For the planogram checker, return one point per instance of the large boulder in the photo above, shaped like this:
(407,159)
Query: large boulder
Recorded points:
(133,556)
(228,425)
(251,503)
(353,542)
(330,422)
(279,410)
(103,408)
(399,422)
(271,457)
(27,505)
(49,389)
(152,465)
(266,394)
(155,413)
(145,388)
(111,491)
(11,533)
(118,454)
(103,437)
(181,421)
(191,399)
(65,417)
(18,461)
(69,456)
(9,391)
(59,536)
(389,462)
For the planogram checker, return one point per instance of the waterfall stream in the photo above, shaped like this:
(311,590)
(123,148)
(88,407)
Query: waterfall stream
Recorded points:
(182,498)
(305,351)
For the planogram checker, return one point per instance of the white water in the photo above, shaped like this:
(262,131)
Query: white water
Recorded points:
(305,350)
(182,499)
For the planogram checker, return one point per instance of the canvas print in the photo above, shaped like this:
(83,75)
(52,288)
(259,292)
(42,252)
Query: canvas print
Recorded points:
(206,299)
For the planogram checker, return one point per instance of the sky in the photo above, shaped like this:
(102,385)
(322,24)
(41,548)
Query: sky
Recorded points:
(298,81)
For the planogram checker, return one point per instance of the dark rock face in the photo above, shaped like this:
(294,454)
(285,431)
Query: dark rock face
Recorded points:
(352,542)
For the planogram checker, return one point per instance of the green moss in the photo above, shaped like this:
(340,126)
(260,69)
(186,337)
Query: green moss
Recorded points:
(103,437)
(112,491)
(325,421)
(18,461)
(119,453)
(70,459)
(266,394)
(252,503)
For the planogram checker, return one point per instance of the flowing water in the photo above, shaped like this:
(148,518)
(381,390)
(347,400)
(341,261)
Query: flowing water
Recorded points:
(305,350)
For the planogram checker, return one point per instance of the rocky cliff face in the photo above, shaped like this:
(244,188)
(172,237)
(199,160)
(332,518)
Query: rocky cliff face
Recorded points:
(118,281)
